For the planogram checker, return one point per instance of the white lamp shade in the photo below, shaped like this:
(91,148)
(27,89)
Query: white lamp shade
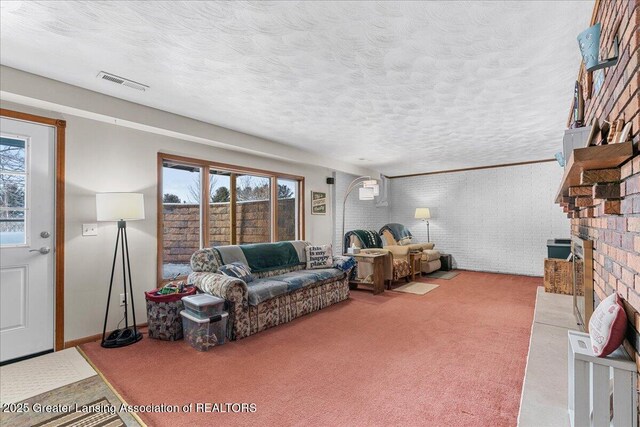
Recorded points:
(372,184)
(422,213)
(366,193)
(119,206)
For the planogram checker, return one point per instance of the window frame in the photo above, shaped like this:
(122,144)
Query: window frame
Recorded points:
(234,170)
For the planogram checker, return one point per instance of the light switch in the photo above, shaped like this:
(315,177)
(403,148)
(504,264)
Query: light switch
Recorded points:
(89,229)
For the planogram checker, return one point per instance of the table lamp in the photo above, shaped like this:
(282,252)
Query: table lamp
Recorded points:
(120,208)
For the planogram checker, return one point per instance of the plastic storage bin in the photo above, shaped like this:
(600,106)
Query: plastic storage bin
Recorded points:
(558,248)
(163,314)
(204,333)
(203,305)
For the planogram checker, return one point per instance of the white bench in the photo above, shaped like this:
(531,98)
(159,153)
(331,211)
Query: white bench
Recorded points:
(602,390)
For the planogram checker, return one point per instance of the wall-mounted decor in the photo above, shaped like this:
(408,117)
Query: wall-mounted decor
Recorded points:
(614,131)
(595,129)
(318,203)
(589,42)
(578,107)
(598,80)
(624,133)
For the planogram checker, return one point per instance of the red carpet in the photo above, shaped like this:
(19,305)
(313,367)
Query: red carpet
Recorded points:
(455,356)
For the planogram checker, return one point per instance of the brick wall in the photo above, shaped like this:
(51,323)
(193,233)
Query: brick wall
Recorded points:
(617,237)
(616,234)
(496,219)
(181,232)
(182,226)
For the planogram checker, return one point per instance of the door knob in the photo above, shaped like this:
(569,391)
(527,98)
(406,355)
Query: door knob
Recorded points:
(43,250)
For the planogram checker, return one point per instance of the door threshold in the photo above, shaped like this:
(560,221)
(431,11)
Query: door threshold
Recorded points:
(29,356)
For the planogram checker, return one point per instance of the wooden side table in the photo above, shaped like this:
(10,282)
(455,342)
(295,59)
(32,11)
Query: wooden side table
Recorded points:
(378,271)
(415,258)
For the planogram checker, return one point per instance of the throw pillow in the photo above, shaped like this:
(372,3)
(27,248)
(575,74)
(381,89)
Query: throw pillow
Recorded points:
(319,256)
(607,326)
(238,270)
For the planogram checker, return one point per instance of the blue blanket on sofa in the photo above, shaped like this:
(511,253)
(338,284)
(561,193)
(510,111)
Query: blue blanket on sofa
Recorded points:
(263,256)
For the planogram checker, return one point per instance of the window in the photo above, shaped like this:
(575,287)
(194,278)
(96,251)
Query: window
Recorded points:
(253,209)
(243,206)
(181,217)
(13,191)
(288,218)
(219,208)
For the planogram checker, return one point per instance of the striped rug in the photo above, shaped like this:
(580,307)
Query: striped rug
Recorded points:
(103,418)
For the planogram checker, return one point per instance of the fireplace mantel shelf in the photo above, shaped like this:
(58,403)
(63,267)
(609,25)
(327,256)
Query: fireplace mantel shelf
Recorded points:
(595,157)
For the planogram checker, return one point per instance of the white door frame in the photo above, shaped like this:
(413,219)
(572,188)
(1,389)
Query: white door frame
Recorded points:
(58,270)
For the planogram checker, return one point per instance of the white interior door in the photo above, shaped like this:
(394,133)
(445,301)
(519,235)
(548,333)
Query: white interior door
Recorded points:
(27,202)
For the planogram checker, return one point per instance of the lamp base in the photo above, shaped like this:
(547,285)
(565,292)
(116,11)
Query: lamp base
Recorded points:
(122,338)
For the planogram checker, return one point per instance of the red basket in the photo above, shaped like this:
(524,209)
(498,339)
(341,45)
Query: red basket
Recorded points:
(152,296)
(163,314)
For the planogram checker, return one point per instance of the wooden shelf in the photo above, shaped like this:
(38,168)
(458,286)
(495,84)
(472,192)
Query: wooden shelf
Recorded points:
(596,157)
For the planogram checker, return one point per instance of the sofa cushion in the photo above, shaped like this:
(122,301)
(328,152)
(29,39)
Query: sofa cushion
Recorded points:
(261,290)
(417,247)
(327,273)
(298,279)
(430,255)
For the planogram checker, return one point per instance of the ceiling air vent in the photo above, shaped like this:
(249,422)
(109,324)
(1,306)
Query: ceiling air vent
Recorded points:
(122,81)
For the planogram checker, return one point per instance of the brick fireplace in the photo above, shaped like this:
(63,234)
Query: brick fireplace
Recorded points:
(609,214)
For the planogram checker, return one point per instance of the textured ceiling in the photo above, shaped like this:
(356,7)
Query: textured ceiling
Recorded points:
(408,86)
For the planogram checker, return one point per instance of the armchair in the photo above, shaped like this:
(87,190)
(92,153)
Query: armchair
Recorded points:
(396,264)
(395,236)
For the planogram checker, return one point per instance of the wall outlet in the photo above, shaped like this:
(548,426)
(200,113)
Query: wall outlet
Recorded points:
(89,229)
(122,299)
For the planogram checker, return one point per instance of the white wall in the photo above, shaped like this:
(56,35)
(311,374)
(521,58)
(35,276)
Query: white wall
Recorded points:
(105,157)
(360,214)
(491,219)
(494,219)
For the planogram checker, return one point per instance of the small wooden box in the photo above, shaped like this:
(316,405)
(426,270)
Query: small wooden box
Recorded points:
(558,276)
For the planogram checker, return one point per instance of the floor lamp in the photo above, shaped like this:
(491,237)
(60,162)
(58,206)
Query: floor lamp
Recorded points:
(369,189)
(121,207)
(424,214)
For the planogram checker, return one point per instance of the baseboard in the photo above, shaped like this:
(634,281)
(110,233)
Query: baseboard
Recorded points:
(96,337)
(498,272)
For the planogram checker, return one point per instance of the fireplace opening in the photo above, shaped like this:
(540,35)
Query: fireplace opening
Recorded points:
(583,295)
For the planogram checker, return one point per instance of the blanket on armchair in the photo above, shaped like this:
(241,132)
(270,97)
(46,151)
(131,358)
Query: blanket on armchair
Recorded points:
(398,231)
(368,238)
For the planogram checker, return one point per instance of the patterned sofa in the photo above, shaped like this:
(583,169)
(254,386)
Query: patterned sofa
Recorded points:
(281,291)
